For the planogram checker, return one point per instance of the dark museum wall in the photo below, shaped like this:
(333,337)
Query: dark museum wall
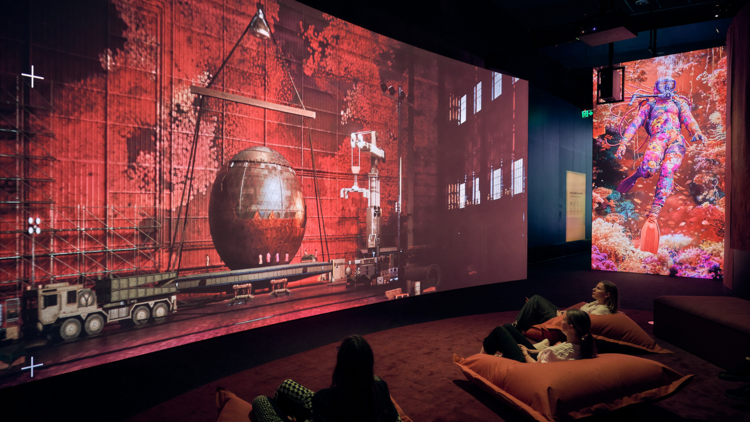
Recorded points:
(737,233)
(559,141)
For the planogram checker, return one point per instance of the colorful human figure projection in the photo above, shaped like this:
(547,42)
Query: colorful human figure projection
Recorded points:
(662,115)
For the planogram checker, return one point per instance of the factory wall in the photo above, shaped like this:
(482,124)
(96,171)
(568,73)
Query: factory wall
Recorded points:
(108,133)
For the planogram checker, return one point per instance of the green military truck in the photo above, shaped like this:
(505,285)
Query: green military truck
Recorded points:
(68,310)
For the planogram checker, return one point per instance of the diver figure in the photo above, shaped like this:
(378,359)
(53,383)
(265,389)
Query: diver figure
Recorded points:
(663,115)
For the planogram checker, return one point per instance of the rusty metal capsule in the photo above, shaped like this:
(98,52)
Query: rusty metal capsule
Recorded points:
(257,213)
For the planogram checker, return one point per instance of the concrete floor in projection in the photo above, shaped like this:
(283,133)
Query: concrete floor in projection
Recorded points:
(195,320)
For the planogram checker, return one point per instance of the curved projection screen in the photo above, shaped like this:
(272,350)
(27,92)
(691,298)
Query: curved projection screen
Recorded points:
(659,207)
(168,177)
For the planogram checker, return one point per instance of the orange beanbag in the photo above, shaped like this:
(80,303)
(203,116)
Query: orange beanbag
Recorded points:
(616,328)
(572,389)
(234,409)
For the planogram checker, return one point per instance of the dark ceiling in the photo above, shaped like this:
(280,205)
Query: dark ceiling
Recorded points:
(537,39)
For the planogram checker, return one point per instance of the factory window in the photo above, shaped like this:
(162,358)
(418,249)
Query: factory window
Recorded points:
(454,109)
(475,199)
(517,176)
(515,80)
(463,110)
(497,84)
(462,195)
(478,98)
(452,196)
(496,187)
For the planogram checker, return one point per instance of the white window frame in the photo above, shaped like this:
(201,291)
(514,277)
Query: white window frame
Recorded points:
(476,195)
(462,113)
(462,195)
(497,84)
(497,184)
(517,176)
(478,98)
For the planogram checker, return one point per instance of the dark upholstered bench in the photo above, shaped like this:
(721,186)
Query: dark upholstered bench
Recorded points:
(714,328)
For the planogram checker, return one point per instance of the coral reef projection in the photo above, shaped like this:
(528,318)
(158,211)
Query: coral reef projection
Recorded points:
(659,160)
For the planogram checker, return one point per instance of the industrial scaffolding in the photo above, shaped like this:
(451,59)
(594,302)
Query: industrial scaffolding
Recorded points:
(79,244)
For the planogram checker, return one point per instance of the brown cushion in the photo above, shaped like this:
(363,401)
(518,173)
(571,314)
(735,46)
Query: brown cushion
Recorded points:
(572,389)
(616,328)
(234,409)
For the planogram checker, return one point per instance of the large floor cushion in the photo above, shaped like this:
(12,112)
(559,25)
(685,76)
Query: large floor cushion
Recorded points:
(714,328)
(233,409)
(617,328)
(572,389)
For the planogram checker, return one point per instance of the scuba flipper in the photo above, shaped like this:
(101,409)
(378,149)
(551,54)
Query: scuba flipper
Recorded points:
(650,235)
(630,181)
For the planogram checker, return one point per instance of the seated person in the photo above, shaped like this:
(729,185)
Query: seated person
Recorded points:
(507,341)
(538,309)
(355,393)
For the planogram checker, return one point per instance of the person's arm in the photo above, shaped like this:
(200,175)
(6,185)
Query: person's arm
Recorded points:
(321,409)
(532,351)
(526,354)
(687,119)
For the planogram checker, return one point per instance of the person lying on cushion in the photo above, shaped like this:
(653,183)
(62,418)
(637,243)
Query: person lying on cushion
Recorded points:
(508,342)
(356,394)
(538,309)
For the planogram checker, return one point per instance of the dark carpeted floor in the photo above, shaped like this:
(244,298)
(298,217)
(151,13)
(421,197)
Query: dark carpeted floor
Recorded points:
(416,362)
(414,340)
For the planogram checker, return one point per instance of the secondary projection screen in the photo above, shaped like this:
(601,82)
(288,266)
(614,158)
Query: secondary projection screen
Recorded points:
(658,203)
(139,211)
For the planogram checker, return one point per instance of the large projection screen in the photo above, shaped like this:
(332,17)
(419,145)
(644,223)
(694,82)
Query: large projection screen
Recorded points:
(658,206)
(185,179)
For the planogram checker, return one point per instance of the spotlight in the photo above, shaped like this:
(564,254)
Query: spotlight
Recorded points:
(259,27)
(391,90)
(383,87)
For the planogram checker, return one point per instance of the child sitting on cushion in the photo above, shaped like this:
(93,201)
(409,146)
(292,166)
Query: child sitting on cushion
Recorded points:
(538,309)
(507,341)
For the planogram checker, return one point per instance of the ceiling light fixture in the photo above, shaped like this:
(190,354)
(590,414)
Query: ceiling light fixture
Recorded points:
(641,2)
(259,26)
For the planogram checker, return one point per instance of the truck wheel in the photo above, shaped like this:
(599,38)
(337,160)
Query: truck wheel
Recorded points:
(141,314)
(160,311)
(94,324)
(70,328)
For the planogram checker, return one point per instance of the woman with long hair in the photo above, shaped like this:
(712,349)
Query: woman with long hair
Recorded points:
(538,309)
(508,342)
(356,394)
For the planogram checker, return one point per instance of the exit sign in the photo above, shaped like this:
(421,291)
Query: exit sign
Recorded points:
(587,113)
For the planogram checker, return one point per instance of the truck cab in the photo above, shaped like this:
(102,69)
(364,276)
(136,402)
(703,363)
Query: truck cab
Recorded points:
(60,300)
(10,311)
(67,309)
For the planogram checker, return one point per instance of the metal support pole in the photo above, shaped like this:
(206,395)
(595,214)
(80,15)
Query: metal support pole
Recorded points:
(33,238)
(398,138)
